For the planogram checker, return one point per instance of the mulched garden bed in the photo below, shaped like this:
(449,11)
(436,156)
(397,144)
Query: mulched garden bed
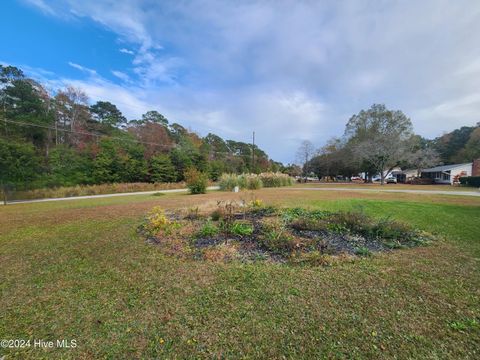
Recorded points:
(250,232)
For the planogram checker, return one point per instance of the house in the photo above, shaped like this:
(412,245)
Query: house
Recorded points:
(447,174)
(405,176)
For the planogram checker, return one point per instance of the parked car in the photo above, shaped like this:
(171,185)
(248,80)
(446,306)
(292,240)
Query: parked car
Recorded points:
(391,180)
(356,178)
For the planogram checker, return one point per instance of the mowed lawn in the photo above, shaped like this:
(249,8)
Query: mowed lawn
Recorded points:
(78,270)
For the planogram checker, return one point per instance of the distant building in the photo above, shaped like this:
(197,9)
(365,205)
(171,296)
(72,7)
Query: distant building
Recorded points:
(447,174)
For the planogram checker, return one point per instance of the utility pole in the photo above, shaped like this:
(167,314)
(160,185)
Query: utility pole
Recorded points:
(253,152)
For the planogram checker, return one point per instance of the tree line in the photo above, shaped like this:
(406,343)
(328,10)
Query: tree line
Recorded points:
(377,140)
(63,140)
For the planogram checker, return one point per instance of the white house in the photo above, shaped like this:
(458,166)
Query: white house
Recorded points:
(446,174)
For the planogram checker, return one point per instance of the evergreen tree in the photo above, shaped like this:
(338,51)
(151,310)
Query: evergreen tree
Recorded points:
(162,169)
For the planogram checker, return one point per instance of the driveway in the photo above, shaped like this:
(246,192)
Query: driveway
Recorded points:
(104,195)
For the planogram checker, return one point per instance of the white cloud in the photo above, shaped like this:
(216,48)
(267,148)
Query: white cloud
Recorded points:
(121,75)
(448,115)
(84,69)
(40,4)
(126,51)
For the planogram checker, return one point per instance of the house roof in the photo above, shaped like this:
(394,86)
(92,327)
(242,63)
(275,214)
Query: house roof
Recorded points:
(445,167)
(406,171)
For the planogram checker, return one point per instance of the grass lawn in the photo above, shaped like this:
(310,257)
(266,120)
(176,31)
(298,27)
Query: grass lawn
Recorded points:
(78,270)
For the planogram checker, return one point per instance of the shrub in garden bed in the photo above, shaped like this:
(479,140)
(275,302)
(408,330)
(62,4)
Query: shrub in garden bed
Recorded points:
(250,231)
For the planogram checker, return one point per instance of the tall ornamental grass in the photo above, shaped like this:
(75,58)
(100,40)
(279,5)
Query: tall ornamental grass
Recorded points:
(227,182)
(271,179)
(253,181)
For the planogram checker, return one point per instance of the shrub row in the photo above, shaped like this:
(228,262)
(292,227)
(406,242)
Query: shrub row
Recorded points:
(253,181)
(470,181)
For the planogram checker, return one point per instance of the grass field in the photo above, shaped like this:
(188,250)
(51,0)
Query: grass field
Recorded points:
(377,185)
(78,270)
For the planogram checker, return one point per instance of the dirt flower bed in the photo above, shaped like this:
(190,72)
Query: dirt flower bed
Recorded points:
(249,231)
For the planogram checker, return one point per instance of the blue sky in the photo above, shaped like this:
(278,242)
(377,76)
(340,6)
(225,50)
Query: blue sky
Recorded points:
(290,70)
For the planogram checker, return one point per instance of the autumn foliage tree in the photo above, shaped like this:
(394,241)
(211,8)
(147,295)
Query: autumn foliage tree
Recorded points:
(74,141)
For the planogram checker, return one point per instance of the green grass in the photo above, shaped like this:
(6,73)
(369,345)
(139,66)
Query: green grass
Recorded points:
(78,270)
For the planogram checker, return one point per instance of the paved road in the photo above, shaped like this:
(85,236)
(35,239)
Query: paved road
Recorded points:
(104,195)
(435,192)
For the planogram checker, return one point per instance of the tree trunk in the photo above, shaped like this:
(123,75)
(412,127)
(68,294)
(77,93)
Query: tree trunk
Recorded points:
(382,178)
(368,178)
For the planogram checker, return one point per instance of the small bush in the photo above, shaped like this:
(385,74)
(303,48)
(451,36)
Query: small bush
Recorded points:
(208,229)
(241,229)
(157,222)
(196,181)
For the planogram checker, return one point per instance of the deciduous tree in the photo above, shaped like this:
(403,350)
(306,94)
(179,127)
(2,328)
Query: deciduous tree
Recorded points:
(380,137)
(304,153)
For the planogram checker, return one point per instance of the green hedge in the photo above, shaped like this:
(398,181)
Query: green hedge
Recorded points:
(470,181)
